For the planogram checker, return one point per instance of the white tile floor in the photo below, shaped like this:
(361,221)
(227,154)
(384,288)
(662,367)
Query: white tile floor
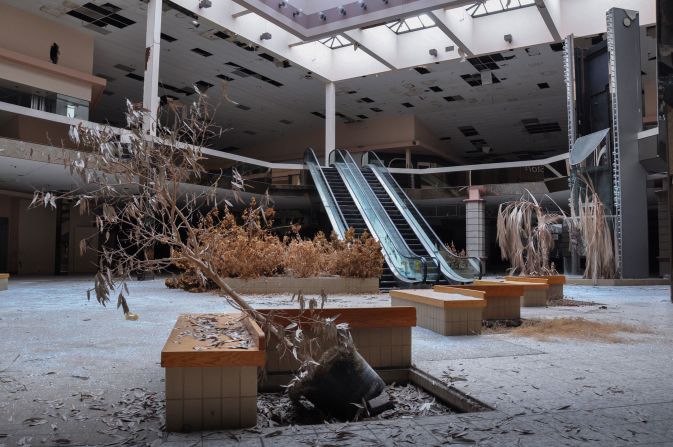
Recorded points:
(59,350)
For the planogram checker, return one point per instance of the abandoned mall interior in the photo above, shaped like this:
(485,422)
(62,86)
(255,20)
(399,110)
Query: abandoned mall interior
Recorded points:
(336,222)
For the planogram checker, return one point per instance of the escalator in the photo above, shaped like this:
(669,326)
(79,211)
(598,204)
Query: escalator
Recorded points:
(353,218)
(370,198)
(349,202)
(410,237)
(454,268)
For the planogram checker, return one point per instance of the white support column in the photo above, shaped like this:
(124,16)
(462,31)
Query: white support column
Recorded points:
(330,120)
(475,210)
(152,51)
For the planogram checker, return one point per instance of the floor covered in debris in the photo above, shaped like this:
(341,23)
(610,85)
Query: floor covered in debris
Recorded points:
(75,373)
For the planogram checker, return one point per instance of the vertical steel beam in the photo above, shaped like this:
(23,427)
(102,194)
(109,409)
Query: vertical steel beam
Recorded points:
(629,176)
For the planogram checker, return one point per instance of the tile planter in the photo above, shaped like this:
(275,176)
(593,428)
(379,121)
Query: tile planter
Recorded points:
(382,336)
(211,388)
(444,313)
(313,285)
(503,301)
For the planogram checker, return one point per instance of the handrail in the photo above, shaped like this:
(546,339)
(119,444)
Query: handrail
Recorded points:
(407,265)
(419,224)
(334,213)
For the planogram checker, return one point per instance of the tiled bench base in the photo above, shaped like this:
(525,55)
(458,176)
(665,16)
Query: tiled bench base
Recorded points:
(503,301)
(534,298)
(211,388)
(452,320)
(211,398)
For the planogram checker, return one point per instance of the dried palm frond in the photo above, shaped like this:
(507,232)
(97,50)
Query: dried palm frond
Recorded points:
(524,236)
(596,235)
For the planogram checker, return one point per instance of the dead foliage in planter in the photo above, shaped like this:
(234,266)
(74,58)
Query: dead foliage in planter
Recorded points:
(251,250)
(575,328)
(524,236)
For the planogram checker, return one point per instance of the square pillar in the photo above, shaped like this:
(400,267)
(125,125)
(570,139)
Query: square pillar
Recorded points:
(330,120)
(151,81)
(475,226)
(664,256)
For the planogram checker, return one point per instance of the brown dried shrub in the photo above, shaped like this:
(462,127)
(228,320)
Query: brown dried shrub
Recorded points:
(251,250)
(357,257)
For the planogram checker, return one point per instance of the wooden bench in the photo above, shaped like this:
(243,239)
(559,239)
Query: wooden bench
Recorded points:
(534,292)
(207,387)
(445,313)
(382,336)
(503,301)
(4,281)
(555,282)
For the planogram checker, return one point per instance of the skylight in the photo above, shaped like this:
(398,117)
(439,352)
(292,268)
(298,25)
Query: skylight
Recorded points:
(409,24)
(485,7)
(335,42)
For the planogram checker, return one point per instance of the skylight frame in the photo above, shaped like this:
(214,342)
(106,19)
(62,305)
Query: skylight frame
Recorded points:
(482,8)
(335,42)
(411,24)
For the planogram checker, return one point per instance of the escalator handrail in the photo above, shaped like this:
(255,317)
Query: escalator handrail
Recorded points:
(417,218)
(339,224)
(397,242)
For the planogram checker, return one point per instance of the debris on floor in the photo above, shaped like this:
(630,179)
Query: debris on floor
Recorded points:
(276,409)
(576,328)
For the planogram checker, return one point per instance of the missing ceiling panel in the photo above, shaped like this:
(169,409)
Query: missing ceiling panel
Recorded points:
(488,62)
(168,38)
(124,68)
(203,85)
(224,77)
(532,51)
(454,98)
(468,131)
(435,88)
(363,117)
(284,121)
(543,85)
(407,104)
(422,70)
(203,53)
(475,80)
(366,99)
(376,109)
(266,56)
(534,126)
(318,114)
(221,35)
(242,107)
(135,76)
(557,46)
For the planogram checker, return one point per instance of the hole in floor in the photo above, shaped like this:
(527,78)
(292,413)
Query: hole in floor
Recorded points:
(414,392)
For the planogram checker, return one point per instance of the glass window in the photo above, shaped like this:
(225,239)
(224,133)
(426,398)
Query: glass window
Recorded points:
(409,24)
(335,42)
(486,7)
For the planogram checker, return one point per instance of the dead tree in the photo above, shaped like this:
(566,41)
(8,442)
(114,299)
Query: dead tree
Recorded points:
(142,191)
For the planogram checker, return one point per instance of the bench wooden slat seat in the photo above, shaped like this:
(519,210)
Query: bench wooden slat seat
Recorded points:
(211,388)
(445,313)
(503,301)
